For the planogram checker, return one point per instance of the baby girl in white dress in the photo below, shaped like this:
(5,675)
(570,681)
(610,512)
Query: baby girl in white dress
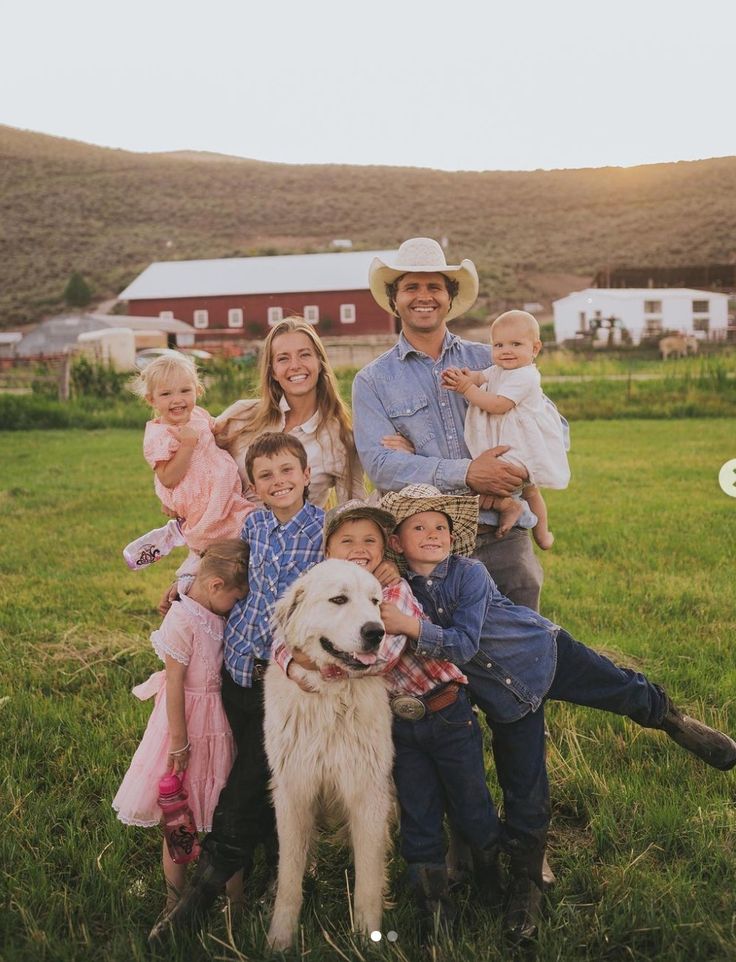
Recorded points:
(506,406)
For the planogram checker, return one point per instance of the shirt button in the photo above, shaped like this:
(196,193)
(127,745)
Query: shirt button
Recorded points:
(440,610)
(429,581)
(508,681)
(489,664)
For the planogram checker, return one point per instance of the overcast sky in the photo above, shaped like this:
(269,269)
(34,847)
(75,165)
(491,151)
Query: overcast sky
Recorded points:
(456,85)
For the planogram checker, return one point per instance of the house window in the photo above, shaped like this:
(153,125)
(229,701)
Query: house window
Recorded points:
(275,316)
(166,315)
(653,326)
(701,323)
(235,317)
(311,314)
(653,307)
(701,307)
(201,319)
(347,313)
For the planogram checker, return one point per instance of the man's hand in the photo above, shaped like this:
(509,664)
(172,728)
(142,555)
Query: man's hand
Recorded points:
(488,475)
(397,442)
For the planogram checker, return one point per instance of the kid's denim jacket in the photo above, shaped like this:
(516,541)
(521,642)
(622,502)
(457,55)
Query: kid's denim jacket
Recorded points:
(507,651)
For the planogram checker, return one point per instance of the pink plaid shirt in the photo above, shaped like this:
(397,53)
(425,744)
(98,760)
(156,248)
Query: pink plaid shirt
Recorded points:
(404,671)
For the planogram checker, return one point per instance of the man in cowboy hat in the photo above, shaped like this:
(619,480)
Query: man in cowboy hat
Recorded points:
(400,406)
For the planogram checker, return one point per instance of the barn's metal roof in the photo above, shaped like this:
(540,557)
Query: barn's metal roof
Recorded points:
(282,274)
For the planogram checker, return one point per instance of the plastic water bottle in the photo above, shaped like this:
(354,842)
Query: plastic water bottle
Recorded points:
(177,820)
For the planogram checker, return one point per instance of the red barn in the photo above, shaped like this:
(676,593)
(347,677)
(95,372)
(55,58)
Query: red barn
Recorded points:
(235,299)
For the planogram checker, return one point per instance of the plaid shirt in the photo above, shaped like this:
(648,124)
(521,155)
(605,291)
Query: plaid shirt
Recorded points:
(279,553)
(405,672)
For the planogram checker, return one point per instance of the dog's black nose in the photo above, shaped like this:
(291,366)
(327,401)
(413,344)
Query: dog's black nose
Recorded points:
(371,633)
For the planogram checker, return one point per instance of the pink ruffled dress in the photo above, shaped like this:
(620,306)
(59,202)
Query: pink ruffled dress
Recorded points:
(192,635)
(210,495)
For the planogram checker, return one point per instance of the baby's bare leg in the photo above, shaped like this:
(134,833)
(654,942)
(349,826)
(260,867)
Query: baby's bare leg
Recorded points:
(542,535)
(509,510)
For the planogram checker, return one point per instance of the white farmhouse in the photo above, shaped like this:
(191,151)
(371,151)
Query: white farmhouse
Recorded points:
(643,311)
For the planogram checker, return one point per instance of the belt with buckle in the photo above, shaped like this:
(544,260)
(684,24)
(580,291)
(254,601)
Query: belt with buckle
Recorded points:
(411,708)
(259,669)
(487,528)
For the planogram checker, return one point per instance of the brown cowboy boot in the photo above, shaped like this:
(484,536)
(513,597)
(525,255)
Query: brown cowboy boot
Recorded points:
(713,747)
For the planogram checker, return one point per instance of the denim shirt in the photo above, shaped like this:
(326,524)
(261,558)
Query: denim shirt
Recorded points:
(507,651)
(401,391)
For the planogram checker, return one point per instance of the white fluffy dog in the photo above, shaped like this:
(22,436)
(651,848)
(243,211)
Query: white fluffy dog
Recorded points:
(331,750)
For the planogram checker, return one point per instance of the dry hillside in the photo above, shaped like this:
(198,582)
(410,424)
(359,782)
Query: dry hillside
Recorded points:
(67,206)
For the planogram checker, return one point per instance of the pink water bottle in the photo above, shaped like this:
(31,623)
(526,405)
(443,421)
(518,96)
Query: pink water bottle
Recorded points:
(177,820)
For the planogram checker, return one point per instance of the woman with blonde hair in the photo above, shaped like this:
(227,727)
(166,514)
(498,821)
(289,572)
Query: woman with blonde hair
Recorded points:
(299,395)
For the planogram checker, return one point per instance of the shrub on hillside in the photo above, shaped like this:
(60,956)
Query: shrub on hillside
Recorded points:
(77,292)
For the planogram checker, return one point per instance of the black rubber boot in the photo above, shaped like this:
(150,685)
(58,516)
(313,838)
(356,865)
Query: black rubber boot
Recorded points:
(197,898)
(488,876)
(713,747)
(524,895)
(459,860)
(437,912)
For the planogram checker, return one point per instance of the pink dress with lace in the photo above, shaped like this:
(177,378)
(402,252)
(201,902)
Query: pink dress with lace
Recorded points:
(192,635)
(209,497)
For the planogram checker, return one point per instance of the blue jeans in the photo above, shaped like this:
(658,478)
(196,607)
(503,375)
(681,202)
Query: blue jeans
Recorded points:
(583,677)
(439,768)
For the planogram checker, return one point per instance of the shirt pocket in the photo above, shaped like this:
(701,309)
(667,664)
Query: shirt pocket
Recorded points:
(410,416)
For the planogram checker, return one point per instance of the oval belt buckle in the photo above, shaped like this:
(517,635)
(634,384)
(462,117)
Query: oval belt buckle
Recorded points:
(408,707)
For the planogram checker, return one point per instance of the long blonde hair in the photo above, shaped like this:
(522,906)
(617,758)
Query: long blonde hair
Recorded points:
(330,406)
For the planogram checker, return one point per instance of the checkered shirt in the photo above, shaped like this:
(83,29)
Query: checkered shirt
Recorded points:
(279,553)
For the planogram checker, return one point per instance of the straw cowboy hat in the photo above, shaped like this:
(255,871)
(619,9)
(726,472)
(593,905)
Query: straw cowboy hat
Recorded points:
(461,509)
(424,255)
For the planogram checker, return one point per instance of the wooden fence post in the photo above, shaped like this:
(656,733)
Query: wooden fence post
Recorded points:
(65,377)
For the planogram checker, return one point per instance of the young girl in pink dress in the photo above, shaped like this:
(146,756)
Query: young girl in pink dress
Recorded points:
(187,730)
(194,479)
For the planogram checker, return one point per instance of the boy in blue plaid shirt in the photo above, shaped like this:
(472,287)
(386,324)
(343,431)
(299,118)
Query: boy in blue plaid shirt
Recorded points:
(285,539)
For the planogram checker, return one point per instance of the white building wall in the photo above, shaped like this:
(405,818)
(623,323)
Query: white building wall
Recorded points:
(628,305)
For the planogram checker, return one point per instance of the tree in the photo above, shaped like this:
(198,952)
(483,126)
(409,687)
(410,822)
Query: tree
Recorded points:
(77,292)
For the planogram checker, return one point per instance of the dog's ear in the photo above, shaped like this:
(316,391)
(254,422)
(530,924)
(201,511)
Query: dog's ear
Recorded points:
(286,607)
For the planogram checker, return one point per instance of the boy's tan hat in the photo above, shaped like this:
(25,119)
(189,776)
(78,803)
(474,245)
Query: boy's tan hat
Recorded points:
(357,511)
(422,255)
(460,508)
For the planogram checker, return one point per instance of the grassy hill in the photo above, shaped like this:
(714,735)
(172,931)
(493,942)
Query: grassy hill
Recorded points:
(67,206)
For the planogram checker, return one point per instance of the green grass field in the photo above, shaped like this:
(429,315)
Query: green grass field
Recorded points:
(643,836)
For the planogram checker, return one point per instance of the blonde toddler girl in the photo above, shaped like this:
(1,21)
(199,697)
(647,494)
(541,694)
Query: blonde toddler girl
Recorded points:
(196,481)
